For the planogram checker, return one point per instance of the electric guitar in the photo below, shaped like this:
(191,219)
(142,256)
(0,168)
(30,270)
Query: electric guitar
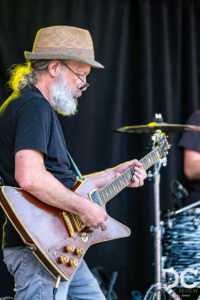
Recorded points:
(58,238)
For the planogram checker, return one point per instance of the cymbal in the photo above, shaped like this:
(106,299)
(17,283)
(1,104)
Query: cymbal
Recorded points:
(151,127)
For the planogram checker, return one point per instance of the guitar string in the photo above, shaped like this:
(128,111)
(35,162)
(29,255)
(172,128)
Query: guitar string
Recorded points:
(118,184)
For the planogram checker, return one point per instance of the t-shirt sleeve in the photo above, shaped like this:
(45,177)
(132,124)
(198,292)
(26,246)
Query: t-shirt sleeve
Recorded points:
(32,126)
(191,140)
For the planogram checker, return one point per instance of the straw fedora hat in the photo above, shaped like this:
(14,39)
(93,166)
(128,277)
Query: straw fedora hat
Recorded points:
(64,42)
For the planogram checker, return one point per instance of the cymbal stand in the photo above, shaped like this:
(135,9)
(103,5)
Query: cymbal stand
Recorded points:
(156,290)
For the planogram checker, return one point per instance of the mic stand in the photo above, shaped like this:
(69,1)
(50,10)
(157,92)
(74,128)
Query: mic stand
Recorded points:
(159,287)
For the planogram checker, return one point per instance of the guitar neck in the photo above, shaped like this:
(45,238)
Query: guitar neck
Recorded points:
(122,181)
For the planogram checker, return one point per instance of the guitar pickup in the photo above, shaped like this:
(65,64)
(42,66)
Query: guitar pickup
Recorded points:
(94,196)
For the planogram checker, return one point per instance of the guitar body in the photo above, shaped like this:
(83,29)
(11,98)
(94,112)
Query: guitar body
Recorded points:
(44,231)
(59,239)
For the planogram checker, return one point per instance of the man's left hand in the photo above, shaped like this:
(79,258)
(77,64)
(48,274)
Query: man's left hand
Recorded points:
(139,173)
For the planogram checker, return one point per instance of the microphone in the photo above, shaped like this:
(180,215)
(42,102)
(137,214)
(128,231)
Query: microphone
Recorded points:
(178,191)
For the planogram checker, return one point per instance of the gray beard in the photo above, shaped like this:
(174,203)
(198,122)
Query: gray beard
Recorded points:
(62,98)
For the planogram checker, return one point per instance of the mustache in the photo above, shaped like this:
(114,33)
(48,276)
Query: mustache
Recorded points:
(83,86)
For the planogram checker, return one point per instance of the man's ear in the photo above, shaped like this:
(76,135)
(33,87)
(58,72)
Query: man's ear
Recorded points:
(54,68)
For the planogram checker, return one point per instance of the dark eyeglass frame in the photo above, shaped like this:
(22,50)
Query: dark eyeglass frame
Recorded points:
(86,85)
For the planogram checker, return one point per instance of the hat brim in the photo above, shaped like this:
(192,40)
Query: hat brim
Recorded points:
(53,55)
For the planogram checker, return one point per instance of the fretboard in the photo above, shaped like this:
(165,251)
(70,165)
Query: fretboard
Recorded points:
(122,181)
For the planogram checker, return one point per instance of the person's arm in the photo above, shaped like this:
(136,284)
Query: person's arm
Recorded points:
(191,164)
(100,179)
(32,176)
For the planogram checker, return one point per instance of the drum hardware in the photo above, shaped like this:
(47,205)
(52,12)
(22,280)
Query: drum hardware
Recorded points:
(159,288)
(156,290)
(196,223)
(187,209)
(181,245)
(179,193)
(105,282)
(111,285)
(184,244)
(168,214)
(136,295)
(153,126)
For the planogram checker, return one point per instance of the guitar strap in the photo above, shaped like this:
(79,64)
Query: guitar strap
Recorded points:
(75,166)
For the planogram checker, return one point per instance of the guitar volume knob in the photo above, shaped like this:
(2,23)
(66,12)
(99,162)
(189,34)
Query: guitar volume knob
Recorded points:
(70,248)
(80,251)
(64,259)
(73,262)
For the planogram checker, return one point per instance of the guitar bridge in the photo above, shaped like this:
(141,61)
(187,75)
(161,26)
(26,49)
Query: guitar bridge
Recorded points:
(73,223)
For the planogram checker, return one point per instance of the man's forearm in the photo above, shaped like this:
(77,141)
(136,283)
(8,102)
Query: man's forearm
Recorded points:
(102,178)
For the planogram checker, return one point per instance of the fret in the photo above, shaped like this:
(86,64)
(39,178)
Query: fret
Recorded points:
(103,197)
(150,158)
(122,181)
(116,186)
(119,185)
(95,198)
(113,188)
(106,193)
(109,193)
(125,178)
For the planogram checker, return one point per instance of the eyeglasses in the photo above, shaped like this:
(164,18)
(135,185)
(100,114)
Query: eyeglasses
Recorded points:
(86,85)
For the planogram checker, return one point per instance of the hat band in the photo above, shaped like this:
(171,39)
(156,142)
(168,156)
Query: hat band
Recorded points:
(87,53)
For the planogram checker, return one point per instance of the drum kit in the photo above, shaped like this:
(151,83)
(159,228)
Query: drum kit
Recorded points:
(177,236)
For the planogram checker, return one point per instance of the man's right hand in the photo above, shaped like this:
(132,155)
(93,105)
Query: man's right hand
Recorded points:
(94,216)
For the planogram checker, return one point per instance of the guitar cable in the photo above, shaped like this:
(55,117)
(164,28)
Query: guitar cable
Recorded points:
(55,289)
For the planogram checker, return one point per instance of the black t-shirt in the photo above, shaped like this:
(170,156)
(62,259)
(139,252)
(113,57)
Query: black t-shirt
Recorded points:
(191,140)
(29,122)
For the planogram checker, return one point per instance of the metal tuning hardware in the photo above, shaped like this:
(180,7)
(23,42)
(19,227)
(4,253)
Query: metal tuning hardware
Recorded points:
(157,136)
(159,139)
